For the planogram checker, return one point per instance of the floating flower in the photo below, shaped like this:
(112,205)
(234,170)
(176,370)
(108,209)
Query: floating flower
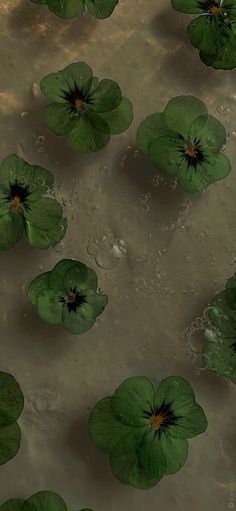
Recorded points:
(185,142)
(145,429)
(24,206)
(83,109)
(68,295)
(11,406)
(213,32)
(73,8)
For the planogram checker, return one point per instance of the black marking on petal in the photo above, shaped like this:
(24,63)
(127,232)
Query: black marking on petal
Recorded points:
(18,194)
(73,300)
(193,153)
(233,346)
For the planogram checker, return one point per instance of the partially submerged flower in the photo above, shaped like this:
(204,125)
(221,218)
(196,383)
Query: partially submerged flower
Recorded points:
(184,141)
(11,406)
(219,352)
(24,206)
(214,31)
(67,9)
(44,500)
(145,429)
(68,295)
(83,109)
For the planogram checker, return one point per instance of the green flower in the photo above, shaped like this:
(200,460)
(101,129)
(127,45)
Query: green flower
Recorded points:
(11,406)
(87,111)
(72,8)
(45,500)
(214,31)
(185,142)
(24,206)
(68,295)
(144,430)
(219,353)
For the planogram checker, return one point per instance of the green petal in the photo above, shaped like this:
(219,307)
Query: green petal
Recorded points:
(231,282)
(225,58)
(56,279)
(80,74)
(222,312)
(165,153)
(42,239)
(47,501)
(105,97)
(12,505)
(11,229)
(125,465)
(220,357)
(97,301)
(75,275)
(11,167)
(10,439)
(206,34)
(49,307)
(45,213)
(80,321)
(177,391)
(14,169)
(120,118)
(151,128)
(133,401)
(40,283)
(187,6)
(59,118)
(196,179)
(91,281)
(191,424)
(209,131)
(68,9)
(90,134)
(105,430)
(11,399)
(150,455)
(101,8)
(181,111)
(175,451)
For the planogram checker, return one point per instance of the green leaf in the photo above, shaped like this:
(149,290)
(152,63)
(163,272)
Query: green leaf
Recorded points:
(120,118)
(80,321)
(190,424)
(196,179)
(47,501)
(187,6)
(101,8)
(209,131)
(175,451)
(90,134)
(10,439)
(105,430)
(59,118)
(105,97)
(49,306)
(133,401)
(40,283)
(220,356)
(75,275)
(56,279)
(45,214)
(150,455)
(43,239)
(177,391)
(181,111)
(165,153)
(151,128)
(206,34)
(11,229)
(11,399)
(124,462)
(68,9)
(97,301)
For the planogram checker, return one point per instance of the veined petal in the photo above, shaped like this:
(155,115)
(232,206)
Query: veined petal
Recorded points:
(11,229)
(120,118)
(101,8)
(49,306)
(56,278)
(11,399)
(132,402)
(181,111)
(66,9)
(90,134)
(195,179)
(188,6)
(40,283)
(44,213)
(176,391)
(209,131)
(10,439)
(43,239)
(206,34)
(175,451)
(79,74)
(97,301)
(150,455)
(151,128)
(165,153)
(80,321)
(60,118)
(220,356)
(46,501)
(105,97)
(75,275)
(190,424)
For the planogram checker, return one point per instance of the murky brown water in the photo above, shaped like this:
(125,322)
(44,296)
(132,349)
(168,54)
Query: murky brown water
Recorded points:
(160,255)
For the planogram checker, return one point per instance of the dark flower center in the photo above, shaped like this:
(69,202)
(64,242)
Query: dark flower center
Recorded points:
(193,154)
(73,300)
(75,97)
(211,6)
(234,347)
(18,194)
(161,417)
